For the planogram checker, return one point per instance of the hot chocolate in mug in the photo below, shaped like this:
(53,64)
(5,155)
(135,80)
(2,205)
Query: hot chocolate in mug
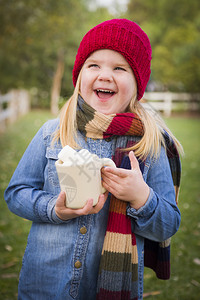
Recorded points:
(79,174)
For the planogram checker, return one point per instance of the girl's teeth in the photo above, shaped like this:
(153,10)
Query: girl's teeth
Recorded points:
(104,94)
(104,91)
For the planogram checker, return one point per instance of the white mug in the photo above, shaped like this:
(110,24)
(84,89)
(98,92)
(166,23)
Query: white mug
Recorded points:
(79,175)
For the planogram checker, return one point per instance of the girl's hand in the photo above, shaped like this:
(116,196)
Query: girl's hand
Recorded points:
(127,185)
(65,213)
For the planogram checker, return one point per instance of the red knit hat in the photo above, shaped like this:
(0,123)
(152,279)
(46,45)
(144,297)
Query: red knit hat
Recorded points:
(125,37)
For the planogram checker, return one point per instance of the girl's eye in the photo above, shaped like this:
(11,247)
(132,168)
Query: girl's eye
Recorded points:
(120,69)
(93,66)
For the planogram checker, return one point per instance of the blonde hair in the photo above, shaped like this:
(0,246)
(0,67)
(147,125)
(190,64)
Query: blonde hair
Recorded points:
(150,143)
(67,131)
(154,128)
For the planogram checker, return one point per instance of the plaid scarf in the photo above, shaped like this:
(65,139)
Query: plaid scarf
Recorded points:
(118,271)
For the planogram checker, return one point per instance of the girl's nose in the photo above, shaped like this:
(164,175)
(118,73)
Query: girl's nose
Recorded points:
(105,75)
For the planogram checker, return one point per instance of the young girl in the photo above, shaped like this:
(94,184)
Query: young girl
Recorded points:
(99,252)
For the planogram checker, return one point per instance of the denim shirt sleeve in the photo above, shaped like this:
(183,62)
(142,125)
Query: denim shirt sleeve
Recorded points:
(159,218)
(25,195)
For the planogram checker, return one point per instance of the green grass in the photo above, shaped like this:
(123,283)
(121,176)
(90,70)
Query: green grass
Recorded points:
(185,273)
(14,230)
(184,283)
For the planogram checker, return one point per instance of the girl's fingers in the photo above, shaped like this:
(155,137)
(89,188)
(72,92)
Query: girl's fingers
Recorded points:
(61,199)
(119,171)
(86,209)
(133,161)
(66,213)
(100,203)
(114,171)
(90,209)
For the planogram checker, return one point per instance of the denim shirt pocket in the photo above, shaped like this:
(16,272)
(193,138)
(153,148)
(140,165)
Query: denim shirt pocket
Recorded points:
(52,156)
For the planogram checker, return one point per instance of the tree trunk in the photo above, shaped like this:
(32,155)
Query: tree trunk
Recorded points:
(56,86)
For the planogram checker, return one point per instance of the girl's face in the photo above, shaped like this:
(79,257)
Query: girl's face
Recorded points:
(107,82)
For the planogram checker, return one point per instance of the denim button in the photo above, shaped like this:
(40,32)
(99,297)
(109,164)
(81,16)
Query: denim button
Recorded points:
(83,230)
(77,264)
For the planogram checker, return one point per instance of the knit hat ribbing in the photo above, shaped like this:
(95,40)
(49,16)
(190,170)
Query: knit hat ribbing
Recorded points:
(125,37)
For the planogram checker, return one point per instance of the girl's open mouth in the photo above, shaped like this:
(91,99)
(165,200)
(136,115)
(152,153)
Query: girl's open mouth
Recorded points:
(104,94)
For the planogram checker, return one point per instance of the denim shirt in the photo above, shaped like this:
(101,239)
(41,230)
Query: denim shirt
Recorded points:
(61,260)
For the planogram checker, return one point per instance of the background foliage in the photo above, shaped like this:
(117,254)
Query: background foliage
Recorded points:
(174,30)
(34,32)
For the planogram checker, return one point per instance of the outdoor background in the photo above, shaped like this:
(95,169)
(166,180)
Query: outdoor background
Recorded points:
(38,44)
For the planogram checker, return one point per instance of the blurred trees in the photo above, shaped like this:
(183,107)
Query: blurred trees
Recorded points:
(36,38)
(174,30)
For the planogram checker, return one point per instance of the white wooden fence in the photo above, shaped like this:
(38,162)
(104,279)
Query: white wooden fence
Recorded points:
(167,102)
(13,105)
(17,103)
